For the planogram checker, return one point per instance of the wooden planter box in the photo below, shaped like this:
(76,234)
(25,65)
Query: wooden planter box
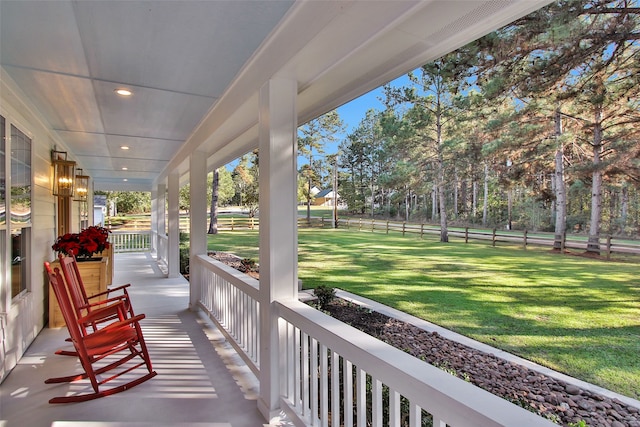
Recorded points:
(94,275)
(108,253)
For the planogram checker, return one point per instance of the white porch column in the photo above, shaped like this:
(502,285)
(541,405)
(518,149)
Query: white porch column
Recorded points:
(154,221)
(162,219)
(161,210)
(278,226)
(173,244)
(198,219)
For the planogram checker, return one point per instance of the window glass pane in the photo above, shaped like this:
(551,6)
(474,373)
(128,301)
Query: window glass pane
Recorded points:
(20,178)
(3,214)
(18,262)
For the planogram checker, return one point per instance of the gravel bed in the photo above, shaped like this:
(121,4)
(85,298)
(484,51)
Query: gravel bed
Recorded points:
(562,403)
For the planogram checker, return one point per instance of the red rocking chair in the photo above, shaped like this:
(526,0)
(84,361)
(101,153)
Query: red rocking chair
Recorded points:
(121,336)
(103,311)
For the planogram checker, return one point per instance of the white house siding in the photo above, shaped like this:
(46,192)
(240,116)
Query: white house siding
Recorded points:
(23,317)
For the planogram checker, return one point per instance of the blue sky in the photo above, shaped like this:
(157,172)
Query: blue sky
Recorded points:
(353,112)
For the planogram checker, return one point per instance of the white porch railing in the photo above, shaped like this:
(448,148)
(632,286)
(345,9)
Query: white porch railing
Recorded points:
(231,300)
(334,375)
(131,240)
(162,251)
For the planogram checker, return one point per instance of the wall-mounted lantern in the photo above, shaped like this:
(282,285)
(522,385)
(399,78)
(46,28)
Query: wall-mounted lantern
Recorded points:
(82,186)
(64,175)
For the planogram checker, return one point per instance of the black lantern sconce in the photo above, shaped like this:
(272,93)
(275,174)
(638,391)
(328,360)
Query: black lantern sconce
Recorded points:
(64,175)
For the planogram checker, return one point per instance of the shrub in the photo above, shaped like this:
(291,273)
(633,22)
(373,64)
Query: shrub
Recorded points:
(325,295)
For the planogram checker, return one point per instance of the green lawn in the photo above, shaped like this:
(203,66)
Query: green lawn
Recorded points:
(317,211)
(576,315)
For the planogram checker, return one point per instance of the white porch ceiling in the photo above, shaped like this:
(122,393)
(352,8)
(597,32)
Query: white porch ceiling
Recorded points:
(195,68)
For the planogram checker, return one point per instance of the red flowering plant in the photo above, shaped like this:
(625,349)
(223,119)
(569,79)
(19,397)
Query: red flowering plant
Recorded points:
(89,241)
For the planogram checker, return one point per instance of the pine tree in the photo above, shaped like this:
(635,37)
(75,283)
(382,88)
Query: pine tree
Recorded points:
(584,54)
(311,139)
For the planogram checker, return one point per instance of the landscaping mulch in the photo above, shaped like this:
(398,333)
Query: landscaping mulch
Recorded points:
(562,403)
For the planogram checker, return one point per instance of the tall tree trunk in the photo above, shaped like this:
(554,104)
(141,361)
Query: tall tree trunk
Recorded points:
(474,202)
(509,208)
(407,202)
(444,231)
(485,202)
(425,207)
(463,196)
(455,193)
(309,200)
(373,198)
(624,207)
(309,183)
(593,245)
(613,195)
(559,187)
(434,202)
(213,210)
(552,211)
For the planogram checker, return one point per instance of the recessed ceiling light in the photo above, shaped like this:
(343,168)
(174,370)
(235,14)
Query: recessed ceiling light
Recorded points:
(125,168)
(123,92)
(124,147)
(125,179)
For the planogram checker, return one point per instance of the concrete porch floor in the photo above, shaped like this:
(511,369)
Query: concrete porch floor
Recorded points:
(201,381)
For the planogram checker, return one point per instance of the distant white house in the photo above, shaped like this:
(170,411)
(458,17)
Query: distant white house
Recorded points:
(99,209)
(325,198)
(314,191)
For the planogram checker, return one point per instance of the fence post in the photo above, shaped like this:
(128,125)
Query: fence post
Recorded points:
(387,226)
(322,222)
(404,225)
(360,224)
(348,223)
(525,238)
(232,223)
(494,238)
(373,221)
(466,234)
(252,224)
(421,229)
(609,247)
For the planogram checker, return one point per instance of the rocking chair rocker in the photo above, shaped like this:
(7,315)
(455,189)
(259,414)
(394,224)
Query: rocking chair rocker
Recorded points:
(122,336)
(98,312)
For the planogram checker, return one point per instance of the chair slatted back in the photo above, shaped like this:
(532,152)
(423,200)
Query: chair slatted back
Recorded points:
(74,281)
(66,308)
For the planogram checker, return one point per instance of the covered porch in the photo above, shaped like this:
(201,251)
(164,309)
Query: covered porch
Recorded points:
(273,356)
(201,380)
(207,361)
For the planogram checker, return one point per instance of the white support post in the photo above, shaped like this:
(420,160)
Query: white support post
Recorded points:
(154,220)
(278,227)
(162,210)
(173,246)
(198,220)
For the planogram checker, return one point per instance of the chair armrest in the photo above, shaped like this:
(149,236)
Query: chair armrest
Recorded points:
(118,324)
(98,304)
(109,290)
(97,314)
(118,288)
